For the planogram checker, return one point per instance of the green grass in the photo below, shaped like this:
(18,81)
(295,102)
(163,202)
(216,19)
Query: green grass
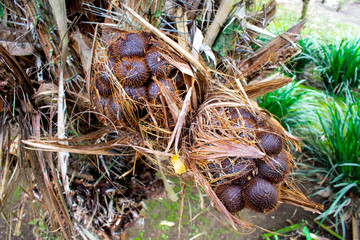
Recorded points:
(335,148)
(290,104)
(289,15)
(337,61)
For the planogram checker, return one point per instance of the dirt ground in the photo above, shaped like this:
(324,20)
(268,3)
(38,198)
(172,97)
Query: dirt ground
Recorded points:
(198,223)
(348,14)
(209,224)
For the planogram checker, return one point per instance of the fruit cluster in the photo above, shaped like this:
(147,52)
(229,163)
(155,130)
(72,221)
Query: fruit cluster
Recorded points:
(247,182)
(138,64)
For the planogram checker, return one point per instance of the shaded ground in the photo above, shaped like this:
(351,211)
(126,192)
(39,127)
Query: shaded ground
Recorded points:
(323,19)
(8,219)
(199,223)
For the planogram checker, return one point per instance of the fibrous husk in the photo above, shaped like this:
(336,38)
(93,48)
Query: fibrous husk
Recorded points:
(190,127)
(224,148)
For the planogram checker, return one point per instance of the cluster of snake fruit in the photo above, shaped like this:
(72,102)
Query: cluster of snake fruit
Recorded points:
(136,61)
(247,182)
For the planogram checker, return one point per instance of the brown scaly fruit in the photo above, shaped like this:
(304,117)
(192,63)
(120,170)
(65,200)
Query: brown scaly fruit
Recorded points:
(154,90)
(244,119)
(128,44)
(269,142)
(231,196)
(136,93)
(113,111)
(103,83)
(243,168)
(275,170)
(157,64)
(247,119)
(261,196)
(131,71)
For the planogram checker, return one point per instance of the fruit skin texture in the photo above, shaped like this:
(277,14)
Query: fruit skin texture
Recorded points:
(113,111)
(274,170)
(154,90)
(128,44)
(231,196)
(103,83)
(270,143)
(131,71)
(157,64)
(261,196)
(136,93)
(243,167)
(247,119)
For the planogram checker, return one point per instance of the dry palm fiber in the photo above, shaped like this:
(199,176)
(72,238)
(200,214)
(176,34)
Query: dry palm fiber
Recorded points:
(227,140)
(156,130)
(225,146)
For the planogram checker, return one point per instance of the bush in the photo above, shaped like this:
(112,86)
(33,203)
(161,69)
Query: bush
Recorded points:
(290,104)
(308,47)
(336,151)
(338,62)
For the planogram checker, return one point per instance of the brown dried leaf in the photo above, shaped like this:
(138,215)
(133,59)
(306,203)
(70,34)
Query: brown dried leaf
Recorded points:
(223,148)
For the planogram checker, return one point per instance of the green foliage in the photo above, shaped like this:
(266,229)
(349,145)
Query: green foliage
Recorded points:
(337,61)
(306,233)
(287,103)
(308,47)
(289,231)
(1,11)
(336,149)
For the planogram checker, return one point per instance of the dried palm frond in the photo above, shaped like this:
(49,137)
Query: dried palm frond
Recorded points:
(181,129)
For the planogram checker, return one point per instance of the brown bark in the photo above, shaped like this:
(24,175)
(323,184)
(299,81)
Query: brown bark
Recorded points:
(304,8)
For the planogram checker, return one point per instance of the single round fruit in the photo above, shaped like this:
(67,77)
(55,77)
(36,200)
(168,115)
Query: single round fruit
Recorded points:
(131,71)
(113,111)
(275,169)
(98,104)
(261,196)
(242,168)
(284,155)
(128,44)
(136,93)
(157,63)
(103,83)
(231,196)
(269,142)
(154,90)
(178,79)
(243,117)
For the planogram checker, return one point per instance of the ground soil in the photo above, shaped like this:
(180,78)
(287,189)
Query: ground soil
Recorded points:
(324,17)
(211,225)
